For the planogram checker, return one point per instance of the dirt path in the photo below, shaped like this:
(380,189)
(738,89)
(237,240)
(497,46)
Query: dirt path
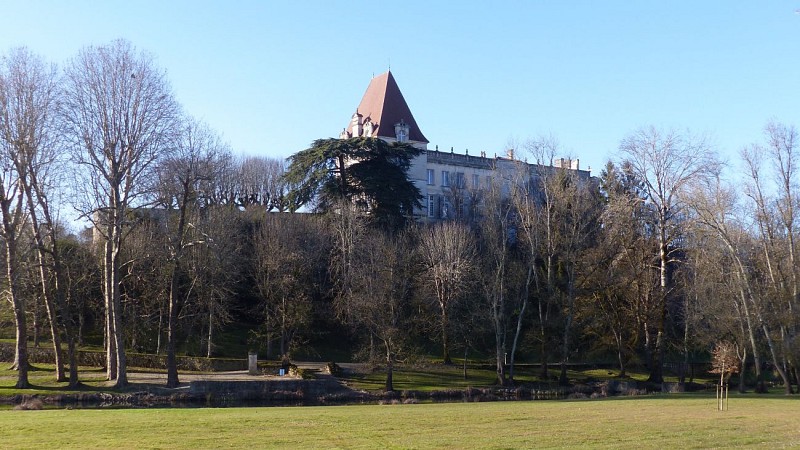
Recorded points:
(160,378)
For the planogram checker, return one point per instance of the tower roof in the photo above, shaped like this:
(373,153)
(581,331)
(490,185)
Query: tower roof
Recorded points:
(384,105)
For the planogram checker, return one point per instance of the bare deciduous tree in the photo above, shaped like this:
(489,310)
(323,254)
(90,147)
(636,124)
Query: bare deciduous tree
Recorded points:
(537,234)
(494,231)
(448,256)
(665,162)
(29,126)
(382,292)
(121,117)
(623,278)
(716,213)
(214,269)
(182,178)
(13,217)
(260,182)
(289,250)
(775,302)
(348,230)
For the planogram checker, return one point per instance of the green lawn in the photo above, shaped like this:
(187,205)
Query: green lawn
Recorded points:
(428,377)
(42,378)
(437,377)
(651,422)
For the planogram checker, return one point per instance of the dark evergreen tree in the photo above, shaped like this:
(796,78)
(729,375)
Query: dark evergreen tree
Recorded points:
(369,172)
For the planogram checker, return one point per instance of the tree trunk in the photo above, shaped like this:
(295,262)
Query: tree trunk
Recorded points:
(53,301)
(648,345)
(445,342)
(81,322)
(657,367)
(620,356)
(21,348)
(742,367)
(118,333)
(518,332)
(389,370)
(108,297)
(37,325)
(499,354)
(543,374)
(563,380)
(746,296)
(550,293)
(269,342)
(72,354)
(67,315)
(160,329)
(466,350)
(682,378)
(775,361)
(52,317)
(172,319)
(283,327)
(210,334)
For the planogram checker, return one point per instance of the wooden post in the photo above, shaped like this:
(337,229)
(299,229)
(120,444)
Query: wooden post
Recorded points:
(721,389)
(726,396)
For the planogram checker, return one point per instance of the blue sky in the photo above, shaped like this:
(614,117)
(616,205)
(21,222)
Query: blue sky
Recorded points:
(273,76)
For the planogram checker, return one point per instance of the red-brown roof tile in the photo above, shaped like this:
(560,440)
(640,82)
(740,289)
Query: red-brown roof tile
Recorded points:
(384,105)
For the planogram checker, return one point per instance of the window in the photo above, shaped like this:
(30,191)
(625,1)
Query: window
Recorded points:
(445,178)
(460,180)
(476,181)
(401,130)
(431,205)
(488,181)
(431,179)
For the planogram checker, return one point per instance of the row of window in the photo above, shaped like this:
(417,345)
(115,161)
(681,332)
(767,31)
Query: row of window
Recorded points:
(440,207)
(459,181)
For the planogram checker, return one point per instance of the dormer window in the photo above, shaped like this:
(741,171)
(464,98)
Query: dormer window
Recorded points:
(401,131)
(368,128)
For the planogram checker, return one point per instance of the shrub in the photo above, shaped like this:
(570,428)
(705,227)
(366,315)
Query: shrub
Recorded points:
(333,369)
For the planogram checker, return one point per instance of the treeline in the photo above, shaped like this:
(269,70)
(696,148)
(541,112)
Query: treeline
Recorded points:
(104,135)
(659,257)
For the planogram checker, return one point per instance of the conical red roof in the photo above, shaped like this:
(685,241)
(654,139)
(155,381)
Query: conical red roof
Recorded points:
(384,105)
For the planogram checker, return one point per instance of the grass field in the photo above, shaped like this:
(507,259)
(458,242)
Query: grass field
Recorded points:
(652,422)
(436,376)
(428,378)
